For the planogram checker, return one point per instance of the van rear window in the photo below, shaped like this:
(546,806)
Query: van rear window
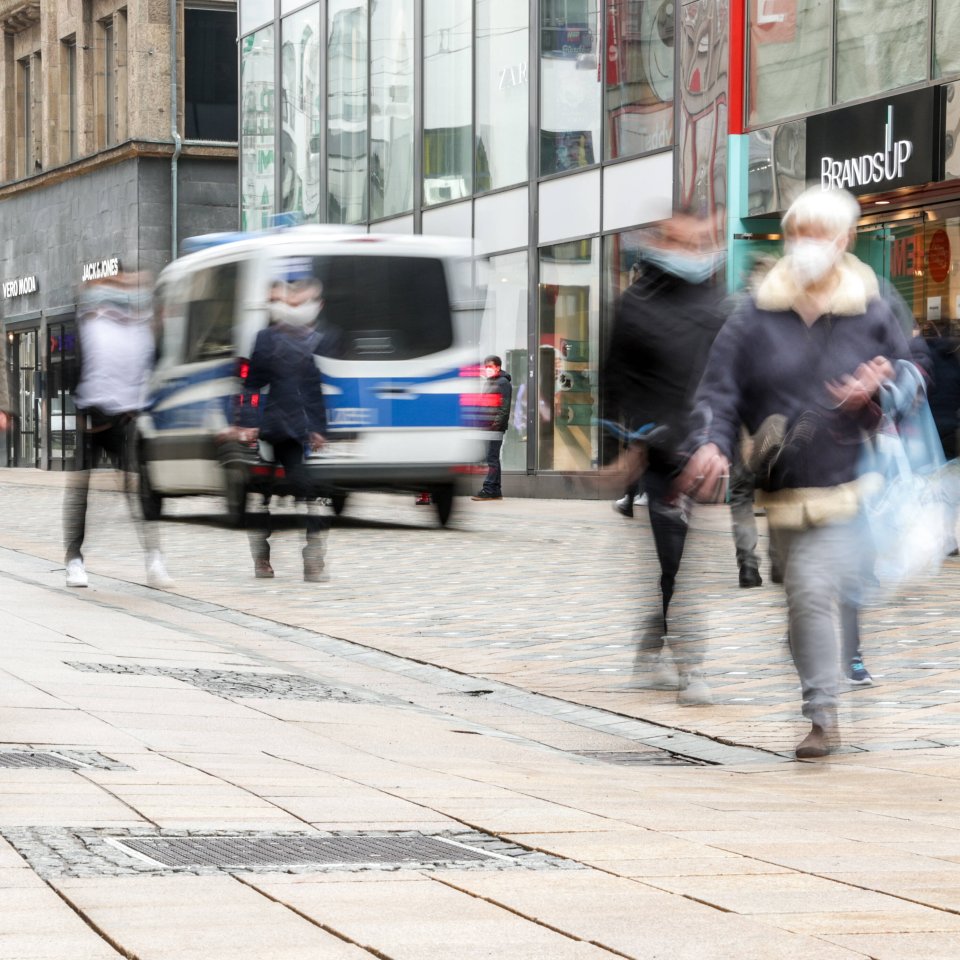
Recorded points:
(385,308)
(210,313)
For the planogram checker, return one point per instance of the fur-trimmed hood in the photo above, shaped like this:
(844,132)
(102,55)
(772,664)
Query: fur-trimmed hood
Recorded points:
(858,286)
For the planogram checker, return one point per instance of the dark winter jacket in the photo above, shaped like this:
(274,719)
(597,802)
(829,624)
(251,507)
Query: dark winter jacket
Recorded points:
(293,407)
(767,361)
(662,334)
(944,391)
(499,412)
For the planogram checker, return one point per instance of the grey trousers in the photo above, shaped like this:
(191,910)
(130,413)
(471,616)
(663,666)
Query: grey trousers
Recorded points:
(822,569)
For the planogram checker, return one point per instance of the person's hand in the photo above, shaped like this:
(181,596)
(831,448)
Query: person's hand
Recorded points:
(317,441)
(705,476)
(855,392)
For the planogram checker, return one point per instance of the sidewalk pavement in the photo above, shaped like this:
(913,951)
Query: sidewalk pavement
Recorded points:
(471,683)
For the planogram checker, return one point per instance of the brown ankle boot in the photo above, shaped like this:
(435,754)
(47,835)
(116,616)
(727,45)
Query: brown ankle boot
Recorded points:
(262,569)
(817,743)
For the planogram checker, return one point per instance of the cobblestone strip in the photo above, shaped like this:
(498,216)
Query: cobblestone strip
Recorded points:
(60,852)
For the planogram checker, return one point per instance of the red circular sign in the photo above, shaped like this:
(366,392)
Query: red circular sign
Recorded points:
(938,256)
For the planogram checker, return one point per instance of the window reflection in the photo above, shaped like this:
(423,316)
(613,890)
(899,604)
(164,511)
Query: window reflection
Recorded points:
(947,60)
(257,145)
(568,346)
(300,114)
(502,93)
(881,44)
(789,68)
(638,76)
(505,279)
(347,111)
(447,100)
(569,85)
(391,108)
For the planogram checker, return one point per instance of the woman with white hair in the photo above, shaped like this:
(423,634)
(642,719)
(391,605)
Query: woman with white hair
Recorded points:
(800,367)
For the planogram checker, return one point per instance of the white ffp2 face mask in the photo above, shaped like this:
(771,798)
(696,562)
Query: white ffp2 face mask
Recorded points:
(811,260)
(300,316)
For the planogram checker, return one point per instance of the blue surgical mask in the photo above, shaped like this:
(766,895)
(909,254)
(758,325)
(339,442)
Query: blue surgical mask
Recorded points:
(691,267)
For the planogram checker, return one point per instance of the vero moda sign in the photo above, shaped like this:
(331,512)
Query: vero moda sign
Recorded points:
(878,146)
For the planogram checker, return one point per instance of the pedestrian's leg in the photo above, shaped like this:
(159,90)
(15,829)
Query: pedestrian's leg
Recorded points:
(491,484)
(817,563)
(744,525)
(258,535)
(289,455)
(75,496)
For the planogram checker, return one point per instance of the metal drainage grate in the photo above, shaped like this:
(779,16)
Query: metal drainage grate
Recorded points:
(28,758)
(234,683)
(298,851)
(641,758)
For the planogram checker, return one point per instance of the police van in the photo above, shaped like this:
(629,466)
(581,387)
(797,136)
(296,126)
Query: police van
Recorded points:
(402,388)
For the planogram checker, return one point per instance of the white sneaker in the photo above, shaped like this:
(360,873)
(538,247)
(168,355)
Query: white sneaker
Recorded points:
(157,576)
(694,692)
(656,673)
(76,575)
(640,500)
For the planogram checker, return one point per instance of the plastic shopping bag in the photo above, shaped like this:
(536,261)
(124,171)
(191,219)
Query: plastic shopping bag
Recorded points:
(905,483)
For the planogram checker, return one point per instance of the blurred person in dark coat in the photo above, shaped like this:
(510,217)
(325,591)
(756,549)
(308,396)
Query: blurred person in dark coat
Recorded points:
(291,416)
(499,391)
(944,395)
(665,324)
(116,350)
(801,368)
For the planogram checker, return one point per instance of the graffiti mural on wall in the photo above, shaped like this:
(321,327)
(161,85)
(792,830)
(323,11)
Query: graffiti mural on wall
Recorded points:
(704,57)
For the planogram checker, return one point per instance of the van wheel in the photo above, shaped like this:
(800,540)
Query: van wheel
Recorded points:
(337,502)
(151,503)
(237,490)
(443,498)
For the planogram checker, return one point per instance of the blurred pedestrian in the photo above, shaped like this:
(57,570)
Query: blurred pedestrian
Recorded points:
(944,395)
(291,416)
(801,367)
(665,324)
(116,350)
(498,391)
(6,403)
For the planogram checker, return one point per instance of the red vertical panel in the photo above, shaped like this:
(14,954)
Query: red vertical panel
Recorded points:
(737,47)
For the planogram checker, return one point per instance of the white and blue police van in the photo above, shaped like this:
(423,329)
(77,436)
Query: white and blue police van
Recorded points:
(403,390)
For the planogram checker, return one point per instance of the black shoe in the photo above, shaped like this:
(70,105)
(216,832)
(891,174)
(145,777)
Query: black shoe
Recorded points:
(483,495)
(750,577)
(776,575)
(624,505)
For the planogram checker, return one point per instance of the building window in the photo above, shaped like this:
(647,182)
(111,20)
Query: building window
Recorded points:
(108,84)
(789,67)
(947,54)
(569,84)
(503,87)
(210,75)
(881,45)
(568,346)
(69,116)
(391,108)
(447,100)
(300,114)
(505,279)
(347,111)
(25,131)
(257,120)
(638,76)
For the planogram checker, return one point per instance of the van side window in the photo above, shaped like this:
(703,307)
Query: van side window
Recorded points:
(386,308)
(210,313)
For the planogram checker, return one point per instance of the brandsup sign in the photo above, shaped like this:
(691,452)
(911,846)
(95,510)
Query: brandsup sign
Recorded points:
(878,146)
(884,166)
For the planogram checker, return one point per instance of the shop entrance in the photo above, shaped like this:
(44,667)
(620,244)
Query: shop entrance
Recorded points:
(919,256)
(23,360)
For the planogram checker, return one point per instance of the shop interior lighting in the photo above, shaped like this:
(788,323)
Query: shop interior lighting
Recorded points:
(882,203)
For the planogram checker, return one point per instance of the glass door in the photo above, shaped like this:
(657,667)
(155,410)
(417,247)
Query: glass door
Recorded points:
(895,250)
(24,438)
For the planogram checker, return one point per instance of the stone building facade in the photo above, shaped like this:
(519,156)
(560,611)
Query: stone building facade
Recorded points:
(97,171)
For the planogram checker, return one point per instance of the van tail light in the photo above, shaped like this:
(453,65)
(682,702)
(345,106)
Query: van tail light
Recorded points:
(245,397)
(243,368)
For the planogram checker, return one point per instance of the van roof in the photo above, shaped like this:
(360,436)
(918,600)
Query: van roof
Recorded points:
(310,238)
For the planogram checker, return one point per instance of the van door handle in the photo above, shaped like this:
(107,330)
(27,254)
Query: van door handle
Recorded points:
(397,393)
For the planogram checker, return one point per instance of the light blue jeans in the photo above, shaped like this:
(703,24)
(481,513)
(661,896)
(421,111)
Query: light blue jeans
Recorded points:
(822,569)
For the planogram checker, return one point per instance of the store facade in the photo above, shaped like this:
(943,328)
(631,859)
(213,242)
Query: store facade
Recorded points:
(550,132)
(865,97)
